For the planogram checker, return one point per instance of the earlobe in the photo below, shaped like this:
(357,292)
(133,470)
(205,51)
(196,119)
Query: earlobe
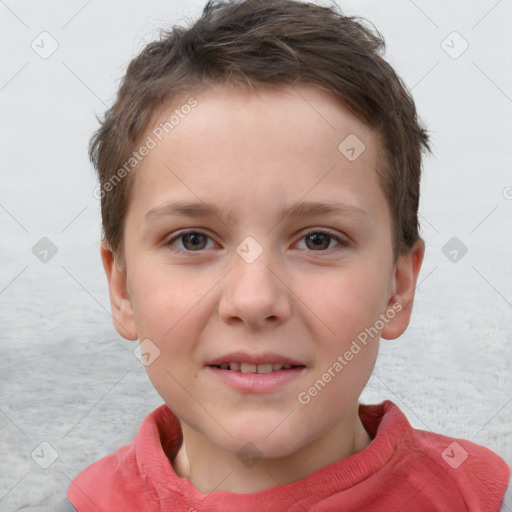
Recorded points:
(401,302)
(120,302)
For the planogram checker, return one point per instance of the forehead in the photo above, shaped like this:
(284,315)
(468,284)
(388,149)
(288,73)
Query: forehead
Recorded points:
(266,145)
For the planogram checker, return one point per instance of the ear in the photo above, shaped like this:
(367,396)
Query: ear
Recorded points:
(401,301)
(120,303)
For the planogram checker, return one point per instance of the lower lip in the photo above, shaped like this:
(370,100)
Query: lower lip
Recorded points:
(257,382)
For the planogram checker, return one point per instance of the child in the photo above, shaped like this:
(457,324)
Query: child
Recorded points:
(273,132)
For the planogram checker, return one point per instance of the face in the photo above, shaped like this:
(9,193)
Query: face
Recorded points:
(255,280)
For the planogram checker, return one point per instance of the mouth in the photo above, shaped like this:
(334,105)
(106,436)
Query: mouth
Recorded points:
(242,367)
(256,373)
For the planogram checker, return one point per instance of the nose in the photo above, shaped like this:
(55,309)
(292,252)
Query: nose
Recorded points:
(255,293)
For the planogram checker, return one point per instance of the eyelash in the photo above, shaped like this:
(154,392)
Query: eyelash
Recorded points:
(342,243)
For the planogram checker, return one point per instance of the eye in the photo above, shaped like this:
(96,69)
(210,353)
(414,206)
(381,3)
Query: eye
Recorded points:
(320,240)
(192,241)
(195,241)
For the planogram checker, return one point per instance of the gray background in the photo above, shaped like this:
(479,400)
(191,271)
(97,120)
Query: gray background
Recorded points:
(67,379)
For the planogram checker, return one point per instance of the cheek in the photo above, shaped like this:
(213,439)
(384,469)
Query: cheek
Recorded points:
(341,373)
(348,308)
(170,311)
(347,301)
(172,380)
(163,301)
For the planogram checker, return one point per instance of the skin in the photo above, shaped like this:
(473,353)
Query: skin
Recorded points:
(252,152)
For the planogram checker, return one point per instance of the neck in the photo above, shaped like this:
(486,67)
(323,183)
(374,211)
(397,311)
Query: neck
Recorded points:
(197,456)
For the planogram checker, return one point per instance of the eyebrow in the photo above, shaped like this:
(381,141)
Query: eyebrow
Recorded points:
(296,209)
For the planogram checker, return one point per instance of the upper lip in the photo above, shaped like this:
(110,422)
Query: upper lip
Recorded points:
(260,358)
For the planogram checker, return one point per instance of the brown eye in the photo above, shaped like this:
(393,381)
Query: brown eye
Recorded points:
(194,241)
(191,241)
(319,241)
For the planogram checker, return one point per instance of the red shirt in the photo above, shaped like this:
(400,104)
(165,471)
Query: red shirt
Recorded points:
(402,469)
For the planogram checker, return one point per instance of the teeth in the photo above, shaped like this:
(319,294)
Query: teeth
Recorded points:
(254,368)
(247,368)
(264,368)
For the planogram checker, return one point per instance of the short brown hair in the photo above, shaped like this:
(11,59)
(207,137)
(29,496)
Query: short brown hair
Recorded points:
(266,43)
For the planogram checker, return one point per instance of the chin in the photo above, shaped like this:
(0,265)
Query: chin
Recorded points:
(256,449)
(260,442)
